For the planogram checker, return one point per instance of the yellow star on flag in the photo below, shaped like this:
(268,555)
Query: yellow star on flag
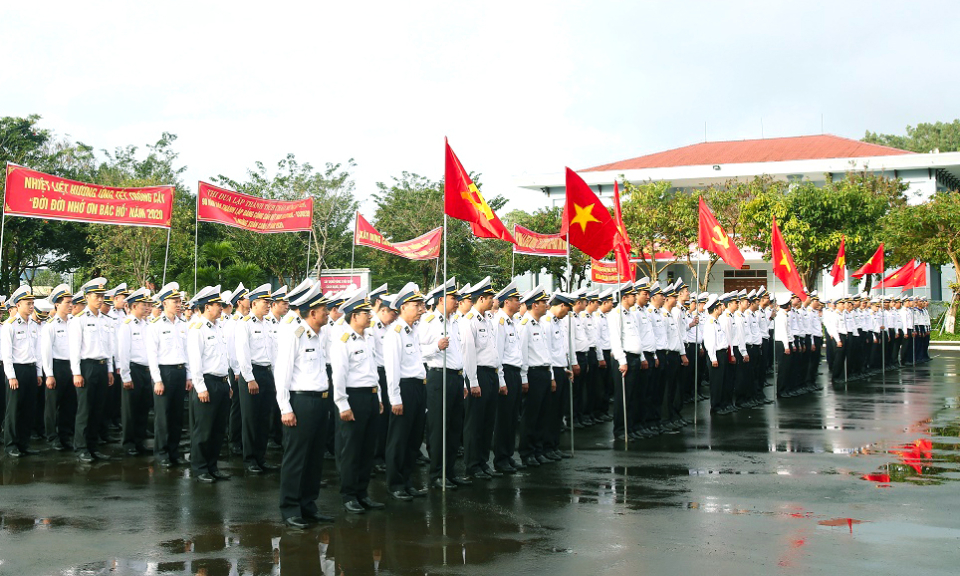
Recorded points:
(784,262)
(583,216)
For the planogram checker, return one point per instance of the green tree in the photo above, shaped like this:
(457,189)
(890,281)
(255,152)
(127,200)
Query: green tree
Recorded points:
(924,137)
(546,220)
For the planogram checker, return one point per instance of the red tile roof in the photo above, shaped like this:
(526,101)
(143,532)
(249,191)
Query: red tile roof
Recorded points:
(764,150)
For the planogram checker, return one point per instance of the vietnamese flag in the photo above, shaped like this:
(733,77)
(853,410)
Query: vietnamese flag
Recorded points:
(713,238)
(873,266)
(918,278)
(462,200)
(839,269)
(586,222)
(783,265)
(900,277)
(622,247)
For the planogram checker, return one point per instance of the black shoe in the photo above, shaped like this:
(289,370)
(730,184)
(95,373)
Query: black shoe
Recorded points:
(85,457)
(354,507)
(461,481)
(588,421)
(401,495)
(133,452)
(564,455)
(369,504)
(618,437)
(518,465)
(101,456)
(220,475)
(14,452)
(329,456)
(165,463)
(254,469)
(506,470)
(531,461)
(578,425)
(493,473)
(29,452)
(269,467)
(236,451)
(543,459)
(296,522)
(439,484)
(206,478)
(481,475)
(422,460)
(415,492)
(271,445)
(552,457)
(317,517)
(59,446)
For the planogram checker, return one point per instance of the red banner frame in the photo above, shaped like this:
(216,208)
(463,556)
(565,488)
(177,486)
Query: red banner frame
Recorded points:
(251,213)
(423,247)
(530,243)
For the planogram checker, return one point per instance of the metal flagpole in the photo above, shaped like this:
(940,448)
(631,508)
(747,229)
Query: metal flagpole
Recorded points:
(165,256)
(353,245)
(443,312)
(196,235)
(696,347)
(883,335)
(3,220)
(572,354)
(623,380)
(309,243)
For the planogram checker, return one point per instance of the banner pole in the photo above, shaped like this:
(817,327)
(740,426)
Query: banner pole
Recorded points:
(166,256)
(443,312)
(571,353)
(3,221)
(196,237)
(353,245)
(696,348)
(309,244)
(883,335)
(623,381)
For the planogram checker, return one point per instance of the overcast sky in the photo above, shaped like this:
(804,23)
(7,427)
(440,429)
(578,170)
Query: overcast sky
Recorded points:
(520,88)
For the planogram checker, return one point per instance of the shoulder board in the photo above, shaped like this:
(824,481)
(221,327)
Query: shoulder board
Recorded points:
(289,319)
(340,322)
(10,320)
(299,332)
(398,328)
(469,315)
(430,317)
(51,319)
(196,325)
(247,317)
(156,319)
(712,320)
(524,321)
(372,323)
(128,320)
(345,337)
(501,320)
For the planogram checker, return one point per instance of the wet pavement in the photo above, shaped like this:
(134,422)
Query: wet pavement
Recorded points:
(859,478)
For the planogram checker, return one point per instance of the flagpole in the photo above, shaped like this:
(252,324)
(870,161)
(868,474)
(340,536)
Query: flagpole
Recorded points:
(696,348)
(443,311)
(196,237)
(883,335)
(166,254)
(570,352)
(353,245)
(309,242)
(623,381)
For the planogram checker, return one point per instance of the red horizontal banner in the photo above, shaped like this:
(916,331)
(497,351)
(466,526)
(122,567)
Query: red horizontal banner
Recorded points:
(37,195)
(252,213)
(425,247)
(605,272)
(532,243)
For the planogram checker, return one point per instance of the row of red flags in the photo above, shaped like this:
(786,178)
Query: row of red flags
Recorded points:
(588,225)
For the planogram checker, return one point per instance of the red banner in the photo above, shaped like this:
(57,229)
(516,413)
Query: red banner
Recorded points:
(605,272)
(339,282)
(252,213)
(425,247)
(531,243)
(37,195)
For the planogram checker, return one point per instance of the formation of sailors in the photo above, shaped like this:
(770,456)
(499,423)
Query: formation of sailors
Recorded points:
(365,378)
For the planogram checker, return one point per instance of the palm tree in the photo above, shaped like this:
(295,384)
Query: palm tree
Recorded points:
(219,253)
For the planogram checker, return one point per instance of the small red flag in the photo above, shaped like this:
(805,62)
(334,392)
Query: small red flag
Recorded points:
(586,222)
(873,266)
(900,277)
(713,238)
(783,265)
(918,278)
(839,269)
(463,200)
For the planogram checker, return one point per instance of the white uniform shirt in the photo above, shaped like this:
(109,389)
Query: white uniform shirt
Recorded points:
(624,334)
(54,343)
(659,330)
(603,330)
(252,345)
(534,348)
(206,351)
(478,343)
(91,338)
(672,330)
(582,340)
(20,344)
(131,345)
(508,342)
(556,332)
(401,358)
(715,339)
(166,344)
(781,330)
(431,331)
(300,365)
(353,366)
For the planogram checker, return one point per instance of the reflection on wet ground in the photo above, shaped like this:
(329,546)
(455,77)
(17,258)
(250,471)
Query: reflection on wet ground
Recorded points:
(791,487)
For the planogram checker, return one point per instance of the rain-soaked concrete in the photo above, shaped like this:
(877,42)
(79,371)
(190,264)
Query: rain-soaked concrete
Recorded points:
(858,479)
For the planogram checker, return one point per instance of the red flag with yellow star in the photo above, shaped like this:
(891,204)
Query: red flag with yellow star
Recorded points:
(918,278)
(713,238)
(873,266)
(463,201)
(783,265)
(586,222)
(839,269)
(900,277)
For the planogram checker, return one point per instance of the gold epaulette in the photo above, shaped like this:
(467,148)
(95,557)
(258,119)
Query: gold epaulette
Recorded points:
(430,317)
(345,337)
(398,328)
(469,315)
(524,321)
(128,320)
(289,319)
(501,320)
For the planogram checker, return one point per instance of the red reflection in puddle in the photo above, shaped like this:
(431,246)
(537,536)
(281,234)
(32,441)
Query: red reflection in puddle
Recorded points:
(914,454)
(849,522)
(876,477)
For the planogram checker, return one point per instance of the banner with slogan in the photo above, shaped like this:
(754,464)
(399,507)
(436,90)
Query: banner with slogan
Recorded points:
(252,213)
(532,243)
(605,272)
(37,195)
(425,247)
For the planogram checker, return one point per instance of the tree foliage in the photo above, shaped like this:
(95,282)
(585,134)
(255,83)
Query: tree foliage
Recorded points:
(924,137)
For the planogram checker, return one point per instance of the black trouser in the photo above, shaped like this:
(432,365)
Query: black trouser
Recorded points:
(168,412)
(255,418)
(135,410)
(334,417)
(896,344)
(716,379)
(21,407)
(593,385)
(839,357)
(406,434)
(909,343)
(209,424)
(743,385)
(508,410)
(60,412)
(755,370)
(383,420)
(654,389)
(533,423)
(235,420)
(670,381)
(632,383)
(768,351)
(730,375)
(555,403)
(688,373)
(784,365)
(481,418)
(356,442)
(435,414)
(303,446)
(579,384)
(91,399)
(602,407)
(648,379)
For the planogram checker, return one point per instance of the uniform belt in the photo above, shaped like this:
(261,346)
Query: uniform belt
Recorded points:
(413,380)
(177,366)
(632,355)
(94,360)
(539,368)
(260,365)
(58,360)
(366,389)
(455,370)
(215,377)
(511,367)
(310,393)
(486,369)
